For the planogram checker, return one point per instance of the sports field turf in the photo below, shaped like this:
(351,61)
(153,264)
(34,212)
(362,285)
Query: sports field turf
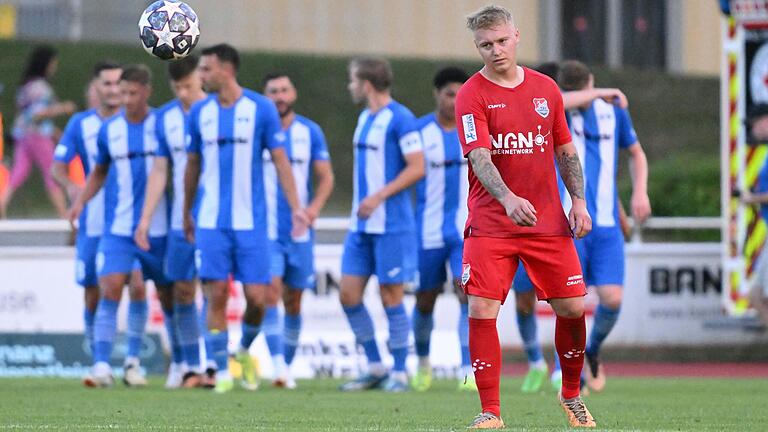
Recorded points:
(628,405)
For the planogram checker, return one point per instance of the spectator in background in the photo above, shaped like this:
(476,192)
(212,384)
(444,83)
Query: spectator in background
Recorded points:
(33,129)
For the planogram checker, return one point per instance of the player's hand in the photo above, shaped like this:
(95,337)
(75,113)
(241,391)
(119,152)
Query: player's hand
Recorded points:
(312,214)
(73,191)
(520,210)
(68,107)
(368,206)
(189,228)
(614,95)
(141,236)
(626,228)
(299,223)
(747,197)
(73,214)
(578,219)
(641,208)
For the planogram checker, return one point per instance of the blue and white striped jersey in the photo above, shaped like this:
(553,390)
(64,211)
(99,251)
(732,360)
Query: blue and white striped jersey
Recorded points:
(130,150)
(172,140)
(79,139)
(599,132)
(305,144)
(441,196)
(230,142)
(381,142)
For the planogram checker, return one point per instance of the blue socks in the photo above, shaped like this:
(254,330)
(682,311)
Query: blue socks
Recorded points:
(173,337)
(422,331)
(362,327)
(218,340)
(273,331)
(464,335)
(137,323)
(605,319)
(104,329)
(291,331)
(398,335)
(249,334)
(210,363)
(526,324)
(188,333)
(89,316)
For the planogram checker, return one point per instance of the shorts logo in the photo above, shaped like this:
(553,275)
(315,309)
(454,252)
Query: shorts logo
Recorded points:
(100,262)
(470,133)
(541,106)
(575,280)
(198,259)
(394,272)
(465,274)
(80,270)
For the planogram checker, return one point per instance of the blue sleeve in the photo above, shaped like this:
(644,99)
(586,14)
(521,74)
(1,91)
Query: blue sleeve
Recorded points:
(626,132)
(162,142)
(762,179)
(272,136)
(102,155)
(67,147)
(193,126)
(319,146)
(407,133)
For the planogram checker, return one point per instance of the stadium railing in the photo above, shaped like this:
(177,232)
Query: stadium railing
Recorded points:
(674,223)
(330,229)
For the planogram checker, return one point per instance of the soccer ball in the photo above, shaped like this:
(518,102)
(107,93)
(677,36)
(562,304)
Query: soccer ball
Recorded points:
(169,29)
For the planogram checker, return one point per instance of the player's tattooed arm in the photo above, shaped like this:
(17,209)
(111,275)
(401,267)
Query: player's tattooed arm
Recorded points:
(520,210)
(488,174)
(570,170)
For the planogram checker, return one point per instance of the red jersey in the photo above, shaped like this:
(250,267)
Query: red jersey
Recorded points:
(520,126)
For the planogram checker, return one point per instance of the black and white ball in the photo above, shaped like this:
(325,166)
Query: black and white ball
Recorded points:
(169,29)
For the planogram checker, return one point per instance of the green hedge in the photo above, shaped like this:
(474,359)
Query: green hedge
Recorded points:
(675,117)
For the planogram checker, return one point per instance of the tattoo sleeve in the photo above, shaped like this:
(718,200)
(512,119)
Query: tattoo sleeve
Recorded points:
(570,171)
(487,173)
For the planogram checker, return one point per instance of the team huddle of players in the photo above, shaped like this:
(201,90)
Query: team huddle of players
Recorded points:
(249,177)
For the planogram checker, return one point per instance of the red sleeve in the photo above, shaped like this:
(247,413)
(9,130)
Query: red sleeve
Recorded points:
(560,130)
(471,121)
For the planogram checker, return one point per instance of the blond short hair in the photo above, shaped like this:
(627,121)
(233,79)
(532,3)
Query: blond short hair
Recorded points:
(488,17)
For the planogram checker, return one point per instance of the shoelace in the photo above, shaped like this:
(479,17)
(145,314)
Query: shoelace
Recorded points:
(578,409)
(483,417)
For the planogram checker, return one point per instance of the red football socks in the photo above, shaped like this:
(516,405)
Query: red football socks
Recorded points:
(485,349)
(570,339)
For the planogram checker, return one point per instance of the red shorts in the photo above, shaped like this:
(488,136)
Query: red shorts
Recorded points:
(490,263)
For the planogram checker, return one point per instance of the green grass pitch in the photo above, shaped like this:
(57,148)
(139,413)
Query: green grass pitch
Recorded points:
(658,404)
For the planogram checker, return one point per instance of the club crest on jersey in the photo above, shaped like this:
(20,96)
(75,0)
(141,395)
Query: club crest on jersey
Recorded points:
(541,107)
(465,274)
